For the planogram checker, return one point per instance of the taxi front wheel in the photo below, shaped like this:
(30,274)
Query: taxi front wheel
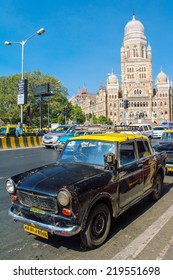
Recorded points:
(97,227)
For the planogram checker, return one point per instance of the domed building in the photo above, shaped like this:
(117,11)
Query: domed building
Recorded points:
(146,102)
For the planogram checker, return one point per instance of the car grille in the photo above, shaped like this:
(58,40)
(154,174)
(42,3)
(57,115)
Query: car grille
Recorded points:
(169,156)
(38,201)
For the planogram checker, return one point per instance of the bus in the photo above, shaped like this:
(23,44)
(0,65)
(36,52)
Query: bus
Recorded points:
(169,125)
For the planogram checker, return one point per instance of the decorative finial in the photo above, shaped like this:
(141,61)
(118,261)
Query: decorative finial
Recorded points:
(133,15)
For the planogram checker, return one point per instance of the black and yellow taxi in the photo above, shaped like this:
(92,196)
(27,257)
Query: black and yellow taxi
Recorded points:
(96,178)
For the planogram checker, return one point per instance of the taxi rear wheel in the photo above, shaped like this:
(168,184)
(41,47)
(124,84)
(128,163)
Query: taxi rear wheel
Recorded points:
(157,188)
(97,227)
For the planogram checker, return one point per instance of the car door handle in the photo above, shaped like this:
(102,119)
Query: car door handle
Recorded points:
(140,165)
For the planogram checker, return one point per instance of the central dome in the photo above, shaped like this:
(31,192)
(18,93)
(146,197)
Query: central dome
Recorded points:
(134,28)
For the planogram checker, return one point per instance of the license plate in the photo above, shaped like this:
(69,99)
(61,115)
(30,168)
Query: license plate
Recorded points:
(170,168)
(36,231)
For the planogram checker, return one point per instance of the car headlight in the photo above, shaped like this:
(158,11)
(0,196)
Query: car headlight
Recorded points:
(10,186)
(63,198)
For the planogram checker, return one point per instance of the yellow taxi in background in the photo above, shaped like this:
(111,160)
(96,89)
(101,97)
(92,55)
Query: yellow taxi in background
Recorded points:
(7,130)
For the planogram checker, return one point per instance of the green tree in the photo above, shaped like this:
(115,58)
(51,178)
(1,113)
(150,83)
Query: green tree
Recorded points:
(104,120)
(10,111)
(77,116)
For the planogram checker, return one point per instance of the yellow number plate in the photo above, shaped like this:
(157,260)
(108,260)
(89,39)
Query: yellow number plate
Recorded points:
(170,168)
(36,231)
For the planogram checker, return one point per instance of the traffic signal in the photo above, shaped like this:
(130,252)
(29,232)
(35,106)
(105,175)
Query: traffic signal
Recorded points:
(126,104)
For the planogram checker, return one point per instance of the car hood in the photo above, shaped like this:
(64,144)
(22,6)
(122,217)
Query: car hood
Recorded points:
(168,146)
(65,138)
(50,178)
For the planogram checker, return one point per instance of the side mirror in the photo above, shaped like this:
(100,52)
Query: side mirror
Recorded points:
(110,162)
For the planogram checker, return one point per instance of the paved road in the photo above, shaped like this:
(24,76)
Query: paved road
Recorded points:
(144,232)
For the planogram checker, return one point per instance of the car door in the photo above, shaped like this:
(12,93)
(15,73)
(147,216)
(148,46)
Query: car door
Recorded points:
(130,174)
(148,161)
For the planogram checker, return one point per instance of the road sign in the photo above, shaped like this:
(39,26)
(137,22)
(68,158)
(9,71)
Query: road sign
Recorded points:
(22,92)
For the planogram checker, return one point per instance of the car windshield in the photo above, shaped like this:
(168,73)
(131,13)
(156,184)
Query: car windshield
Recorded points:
(167,137)
(158,128)
(86,151)
(3,131)
(60,129)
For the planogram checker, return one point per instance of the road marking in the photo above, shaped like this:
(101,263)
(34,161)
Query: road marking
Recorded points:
(165,249)
(138,244)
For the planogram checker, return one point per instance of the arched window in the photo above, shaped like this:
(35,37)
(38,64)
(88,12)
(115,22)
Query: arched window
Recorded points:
(161,104)
(142,51)
(135,51)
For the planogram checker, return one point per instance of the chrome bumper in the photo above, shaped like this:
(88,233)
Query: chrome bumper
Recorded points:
(62,231)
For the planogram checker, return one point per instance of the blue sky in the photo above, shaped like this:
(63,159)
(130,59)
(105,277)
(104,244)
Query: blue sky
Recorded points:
(83,38)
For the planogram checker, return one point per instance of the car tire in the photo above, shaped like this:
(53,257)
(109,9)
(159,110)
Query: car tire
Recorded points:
(97,227)
(157,188)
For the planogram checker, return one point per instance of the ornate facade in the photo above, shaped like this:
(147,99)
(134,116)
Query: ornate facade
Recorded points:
(147,101)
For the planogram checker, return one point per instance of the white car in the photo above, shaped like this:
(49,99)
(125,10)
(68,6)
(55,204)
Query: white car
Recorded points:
(51,138)
(158,131)
(144,129)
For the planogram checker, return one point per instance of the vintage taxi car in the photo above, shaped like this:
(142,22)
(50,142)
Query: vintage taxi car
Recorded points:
(166,145)
(96,177)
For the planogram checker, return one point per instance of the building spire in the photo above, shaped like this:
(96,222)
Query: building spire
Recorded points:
(133,15)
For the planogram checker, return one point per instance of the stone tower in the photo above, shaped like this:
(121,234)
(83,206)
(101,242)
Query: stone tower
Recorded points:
(136,72)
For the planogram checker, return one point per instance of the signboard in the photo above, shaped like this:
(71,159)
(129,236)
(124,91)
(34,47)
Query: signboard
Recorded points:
(42,90)
(22,92)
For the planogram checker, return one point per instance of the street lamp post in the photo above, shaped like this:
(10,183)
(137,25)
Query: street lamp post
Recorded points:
(22,43)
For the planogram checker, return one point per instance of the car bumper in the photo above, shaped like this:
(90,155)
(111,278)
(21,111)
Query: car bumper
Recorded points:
(57,230)
(169,167)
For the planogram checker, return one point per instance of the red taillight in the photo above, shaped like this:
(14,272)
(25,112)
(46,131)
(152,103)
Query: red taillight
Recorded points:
(66,212)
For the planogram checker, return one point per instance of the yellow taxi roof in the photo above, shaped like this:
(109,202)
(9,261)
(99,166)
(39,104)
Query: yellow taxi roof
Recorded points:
(169,130)
(112,137)
(8,125)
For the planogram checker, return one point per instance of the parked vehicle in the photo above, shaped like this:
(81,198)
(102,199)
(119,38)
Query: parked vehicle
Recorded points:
(158,131)
(145,129)
(51,138)
(96,178)
(166,145)
(8,130)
